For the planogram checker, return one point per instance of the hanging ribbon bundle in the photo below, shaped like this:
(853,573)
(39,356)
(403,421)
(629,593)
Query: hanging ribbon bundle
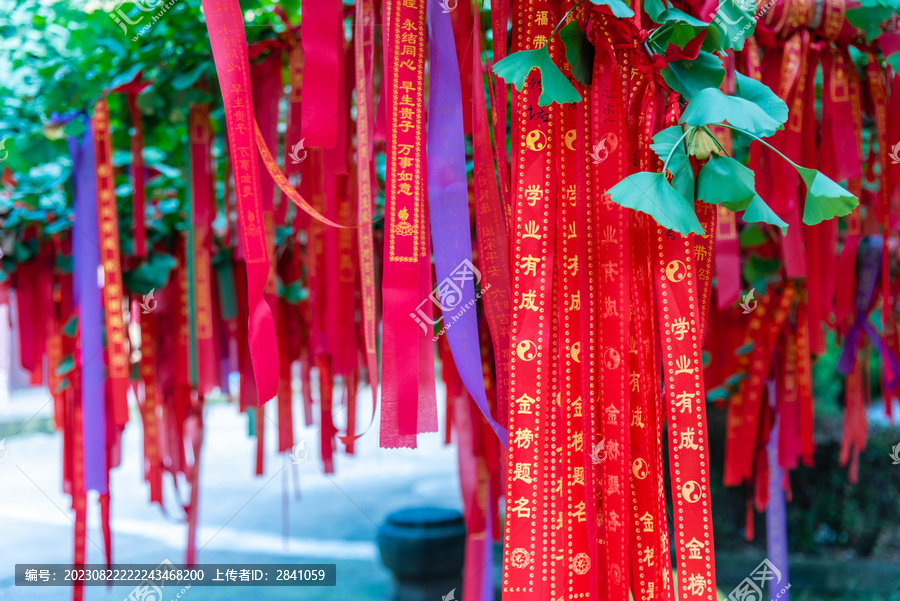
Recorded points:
(822,282)
(583,292)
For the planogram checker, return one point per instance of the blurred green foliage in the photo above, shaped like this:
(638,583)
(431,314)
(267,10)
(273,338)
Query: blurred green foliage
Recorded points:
(58,57)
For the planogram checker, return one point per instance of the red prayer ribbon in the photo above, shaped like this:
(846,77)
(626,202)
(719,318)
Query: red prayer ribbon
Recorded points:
(675,274)
(108,218)
(405,249)
(529,545)
(224,21)
(322,34)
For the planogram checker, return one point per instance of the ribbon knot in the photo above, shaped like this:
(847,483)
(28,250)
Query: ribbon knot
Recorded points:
(658,62)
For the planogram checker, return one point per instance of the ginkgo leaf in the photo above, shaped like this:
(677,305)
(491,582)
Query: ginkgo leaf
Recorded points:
(654,8)
(759,270)
(762,96)
(579,52)
(717,394)
(759,212)
(734,379)
(824,198)
(894,61)
(679,163)
(618,8)
(745,349)
(150,275)
(724,179)
(736,21)
(689,77)
(678,15)
(555,87)
(870,19)
(752,236)
(673,32)
(66,365)
(734,207)
(753,107)
(652,194)
(71,327)
(63,385)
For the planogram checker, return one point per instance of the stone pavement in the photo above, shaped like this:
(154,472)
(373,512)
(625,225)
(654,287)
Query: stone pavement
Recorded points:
(243,518)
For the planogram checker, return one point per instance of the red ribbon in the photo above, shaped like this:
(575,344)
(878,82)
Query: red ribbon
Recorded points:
(113,292)
(530,544)
(407,271)
(322,34)
(610,115)
(491,234)
(744,416)
(675,273)
(202,177)
(139,193)
(150,409)
(225,24)
(363,65)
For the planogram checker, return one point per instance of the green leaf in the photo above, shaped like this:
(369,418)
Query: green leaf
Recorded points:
(735,23)
(152,274)
(618,8)
(282,233)
(740,205)
(673,32)
(63,384)
(166,170)
(752,236)
(679,162)
(678,15)
(651,193)
(555,87)
(66,365)
(725,180)
(757,270)
(824,198)
(870,19)
(57,225)
(759,212)
(688,78)
(754,107)
(71,327)
(579,52)
(127,76)
(762,96)
(894,61)
(736,378)
(151,155)
(169,206)
(654,8)
(292,293)
(745,349)
(65,263)
(717,394)
(183,81)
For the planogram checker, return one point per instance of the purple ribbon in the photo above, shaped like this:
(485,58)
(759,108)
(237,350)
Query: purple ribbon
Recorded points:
(870,249)
(89,308)
(449,203)
(776,516)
